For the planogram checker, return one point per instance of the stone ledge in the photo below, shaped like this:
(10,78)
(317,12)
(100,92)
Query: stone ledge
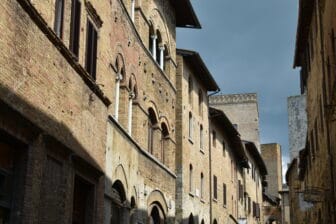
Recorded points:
(234,98)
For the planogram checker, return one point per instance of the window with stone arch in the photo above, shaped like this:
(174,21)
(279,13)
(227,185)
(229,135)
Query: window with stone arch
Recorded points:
(119,67)
(152,40)
(132,95)
(152,123)
(164,142)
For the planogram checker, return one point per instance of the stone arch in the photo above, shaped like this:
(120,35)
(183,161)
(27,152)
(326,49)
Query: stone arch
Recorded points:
(160,25)
(156,197)
(191,219)
(151,104)
(133,85)
(164,120)
(120,175)
(119,205)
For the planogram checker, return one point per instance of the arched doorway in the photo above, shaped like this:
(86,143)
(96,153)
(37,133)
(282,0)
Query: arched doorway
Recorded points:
(156,215)
(191,219)
(119,208)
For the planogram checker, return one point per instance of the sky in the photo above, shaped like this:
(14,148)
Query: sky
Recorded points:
(248,46)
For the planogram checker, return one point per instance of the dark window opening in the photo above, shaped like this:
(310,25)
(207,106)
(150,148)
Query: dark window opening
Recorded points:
(224,194)
(75,27)
(215,186)
(59,14)
(83,202)
(91,50)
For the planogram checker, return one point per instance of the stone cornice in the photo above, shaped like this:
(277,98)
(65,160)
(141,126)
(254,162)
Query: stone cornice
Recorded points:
(234,98)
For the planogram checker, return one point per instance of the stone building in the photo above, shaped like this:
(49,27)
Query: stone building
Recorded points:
(297,124)
(88,88)
(271,154)
(242,110)
(94,99)
(193,81)
(227,163)
(315,56)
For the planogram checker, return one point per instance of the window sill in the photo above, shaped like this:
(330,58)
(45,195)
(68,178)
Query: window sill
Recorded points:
(202,201)
(190,140)
(191,194)
(201,150)
(215,200)
(224,206)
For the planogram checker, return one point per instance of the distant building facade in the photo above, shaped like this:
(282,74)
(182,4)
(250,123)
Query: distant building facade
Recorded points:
(297,124)
(242,110)
(103,120)
(311,178)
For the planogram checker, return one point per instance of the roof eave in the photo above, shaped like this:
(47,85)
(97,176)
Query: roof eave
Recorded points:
(185,14)
(194,59)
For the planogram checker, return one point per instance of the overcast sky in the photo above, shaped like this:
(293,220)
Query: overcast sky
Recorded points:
(248,46)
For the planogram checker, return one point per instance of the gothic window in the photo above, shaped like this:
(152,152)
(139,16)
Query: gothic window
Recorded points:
(152,121)
(132,87)
(164,141)
(224,194)
(120,76)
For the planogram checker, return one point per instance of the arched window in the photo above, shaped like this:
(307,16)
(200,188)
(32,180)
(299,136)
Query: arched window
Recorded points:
(190,178)
(202,222)
(159,47)
(133,219)
(152,121)
(190,126)
(200,102)
(215,221)
(164,139)
(202,186)
(152,41)
(201,137)
(132,86)
(190,89)
(120,75)
(156,215)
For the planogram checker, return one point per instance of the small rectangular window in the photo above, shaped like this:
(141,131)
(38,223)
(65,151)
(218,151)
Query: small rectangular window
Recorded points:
(91,50)
(224,148)
(214,138)
(215,186)
(224,194)
(59,14)
(75,26)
